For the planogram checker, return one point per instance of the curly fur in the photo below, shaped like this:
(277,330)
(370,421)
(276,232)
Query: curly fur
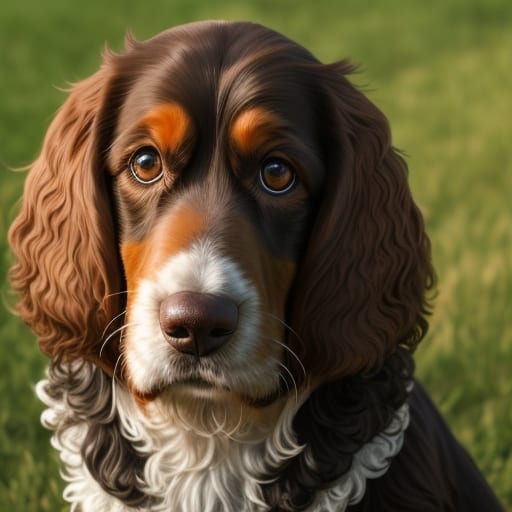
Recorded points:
(103,437)
(338,272)
(63,235)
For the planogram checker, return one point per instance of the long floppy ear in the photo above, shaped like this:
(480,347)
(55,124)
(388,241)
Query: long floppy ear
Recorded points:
(65,267)
(360,291)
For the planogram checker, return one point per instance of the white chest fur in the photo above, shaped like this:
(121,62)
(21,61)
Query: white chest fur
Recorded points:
(215,467)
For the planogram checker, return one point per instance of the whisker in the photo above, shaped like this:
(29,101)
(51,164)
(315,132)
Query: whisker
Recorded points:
(293,380)
(115,367)
(113,294)
(237,427)
(285,325)
(113,385)
(222,425)
(113,333)
(114,379)
(284,379)
(111,322)
(291,352)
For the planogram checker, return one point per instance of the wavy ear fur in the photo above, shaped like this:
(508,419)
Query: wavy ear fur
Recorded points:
(63,238)
(360,291)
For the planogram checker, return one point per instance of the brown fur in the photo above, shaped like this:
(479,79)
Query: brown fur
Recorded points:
(362,288)
(64,239)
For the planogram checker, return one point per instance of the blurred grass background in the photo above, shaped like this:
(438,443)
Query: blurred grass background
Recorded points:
(442,73)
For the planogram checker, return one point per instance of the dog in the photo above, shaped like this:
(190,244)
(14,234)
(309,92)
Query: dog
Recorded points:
(218,250)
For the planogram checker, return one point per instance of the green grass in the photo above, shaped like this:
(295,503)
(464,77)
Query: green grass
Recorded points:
(440,70)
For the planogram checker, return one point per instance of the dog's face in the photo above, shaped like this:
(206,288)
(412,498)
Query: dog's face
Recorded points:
(236,205)
(216,165)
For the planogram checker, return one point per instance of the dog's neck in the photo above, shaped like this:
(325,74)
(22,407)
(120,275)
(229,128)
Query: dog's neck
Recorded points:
(210,456)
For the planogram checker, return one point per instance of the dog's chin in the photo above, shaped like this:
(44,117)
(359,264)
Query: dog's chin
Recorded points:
(201,390)
(197,389)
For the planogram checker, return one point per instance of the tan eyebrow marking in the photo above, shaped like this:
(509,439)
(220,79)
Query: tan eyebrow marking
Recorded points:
(254,127)
(169,124)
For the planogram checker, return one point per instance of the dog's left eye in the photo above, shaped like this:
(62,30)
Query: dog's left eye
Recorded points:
(276,176)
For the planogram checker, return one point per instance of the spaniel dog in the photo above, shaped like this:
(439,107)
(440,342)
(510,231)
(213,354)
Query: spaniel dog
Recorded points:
(219,252)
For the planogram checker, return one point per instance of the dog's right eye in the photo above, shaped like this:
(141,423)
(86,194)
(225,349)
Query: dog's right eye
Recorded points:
(146,165)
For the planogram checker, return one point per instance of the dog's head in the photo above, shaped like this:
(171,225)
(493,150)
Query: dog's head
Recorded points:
(221,214)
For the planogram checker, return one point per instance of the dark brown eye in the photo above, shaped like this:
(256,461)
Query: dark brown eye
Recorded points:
(276,176)
(146,165)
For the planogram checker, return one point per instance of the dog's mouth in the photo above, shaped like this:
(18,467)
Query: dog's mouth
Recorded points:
(197,382)
(202,388)
(190,385)
(198,388)
(198,385)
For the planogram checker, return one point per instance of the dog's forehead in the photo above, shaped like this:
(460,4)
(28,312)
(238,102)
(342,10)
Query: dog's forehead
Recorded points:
(216,70)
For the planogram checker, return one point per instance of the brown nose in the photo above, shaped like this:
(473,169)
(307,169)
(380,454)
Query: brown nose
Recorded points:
(197,323)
